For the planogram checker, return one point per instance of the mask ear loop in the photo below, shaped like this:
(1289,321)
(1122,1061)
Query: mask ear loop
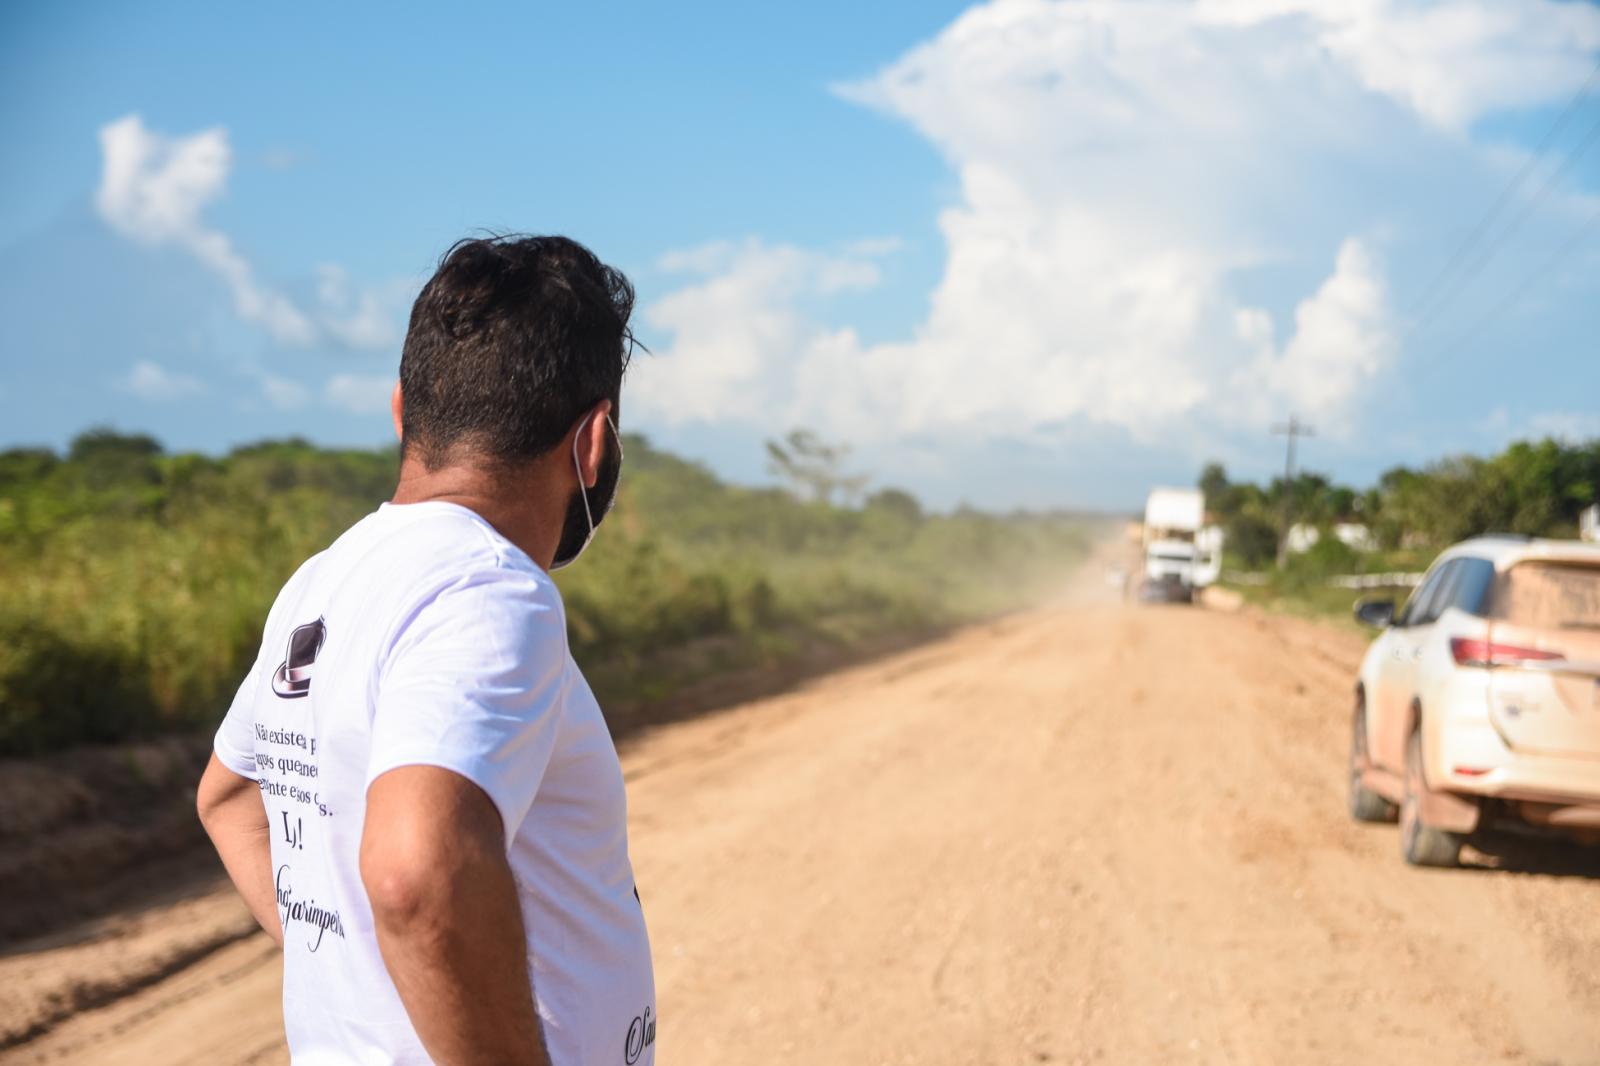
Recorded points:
(583,492)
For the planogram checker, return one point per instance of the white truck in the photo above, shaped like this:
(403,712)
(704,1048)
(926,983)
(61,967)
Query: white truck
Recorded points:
(1181,552)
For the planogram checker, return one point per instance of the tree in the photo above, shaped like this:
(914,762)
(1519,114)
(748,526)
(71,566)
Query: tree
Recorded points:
(1253,536)
(813,467)
(19,466)
(103,441)
(1343,502)
(897,502)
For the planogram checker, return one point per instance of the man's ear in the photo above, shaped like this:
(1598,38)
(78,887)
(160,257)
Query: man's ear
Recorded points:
(593,429)
(397,410)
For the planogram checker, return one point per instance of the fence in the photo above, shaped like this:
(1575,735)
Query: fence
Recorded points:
(1394,579)
(1390,580)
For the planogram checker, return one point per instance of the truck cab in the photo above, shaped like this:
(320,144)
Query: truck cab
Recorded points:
(1181,552)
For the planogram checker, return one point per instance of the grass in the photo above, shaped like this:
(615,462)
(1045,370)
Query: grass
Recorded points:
(1322,603)
(136,583)
(1302,588)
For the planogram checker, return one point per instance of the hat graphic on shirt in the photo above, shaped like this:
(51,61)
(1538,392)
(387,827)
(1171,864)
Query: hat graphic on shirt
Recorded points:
(293,678)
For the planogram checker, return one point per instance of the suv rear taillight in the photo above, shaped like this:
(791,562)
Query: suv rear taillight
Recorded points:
(1488,653)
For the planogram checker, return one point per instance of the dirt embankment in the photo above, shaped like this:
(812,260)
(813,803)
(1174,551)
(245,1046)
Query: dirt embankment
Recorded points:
(107,882)
(1093,833)
(82,831)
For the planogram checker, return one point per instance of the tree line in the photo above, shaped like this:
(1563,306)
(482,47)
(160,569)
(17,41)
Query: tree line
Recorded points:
(1533,487)
(136,581)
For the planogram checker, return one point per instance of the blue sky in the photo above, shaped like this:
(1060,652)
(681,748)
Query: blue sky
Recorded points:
(1025,253)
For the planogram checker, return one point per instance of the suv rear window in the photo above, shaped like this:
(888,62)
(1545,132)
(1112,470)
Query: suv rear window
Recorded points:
(1549,596)
(1461,582)
(1473,583)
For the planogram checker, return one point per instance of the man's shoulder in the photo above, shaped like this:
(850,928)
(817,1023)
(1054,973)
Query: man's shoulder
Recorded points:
(424,551)
(400,562)
(436,538)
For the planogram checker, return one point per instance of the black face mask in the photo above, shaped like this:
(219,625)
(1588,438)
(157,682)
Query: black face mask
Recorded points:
(588,507)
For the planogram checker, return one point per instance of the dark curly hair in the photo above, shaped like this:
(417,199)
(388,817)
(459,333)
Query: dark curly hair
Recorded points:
(510,342)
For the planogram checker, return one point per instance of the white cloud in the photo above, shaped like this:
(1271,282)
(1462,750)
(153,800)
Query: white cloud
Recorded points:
(360,317)
(359,394)
(154,189)
(280,393)
(1569,426)
(283,393)
(1342,342)
(1122,167)
(1572,427)
(873,247)
(152,381)
(733,323)
(283,158)
(1453,62)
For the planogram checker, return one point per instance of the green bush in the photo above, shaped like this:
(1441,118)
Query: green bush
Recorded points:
(1328,556)
(1533,487)
(136,582)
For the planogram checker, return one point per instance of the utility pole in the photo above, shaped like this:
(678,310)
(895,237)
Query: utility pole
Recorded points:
(1292,429)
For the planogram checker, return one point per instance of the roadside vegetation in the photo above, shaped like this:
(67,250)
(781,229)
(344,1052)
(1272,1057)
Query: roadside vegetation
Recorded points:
(1537,488)
(136,582)
(1305,586)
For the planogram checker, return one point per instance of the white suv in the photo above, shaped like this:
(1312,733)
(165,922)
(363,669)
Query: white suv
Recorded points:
(1480,701)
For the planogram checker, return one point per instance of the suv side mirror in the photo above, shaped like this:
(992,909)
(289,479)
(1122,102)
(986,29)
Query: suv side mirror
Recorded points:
(1376,613)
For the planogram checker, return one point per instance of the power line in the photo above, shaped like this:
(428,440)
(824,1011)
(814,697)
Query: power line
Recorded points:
(1484,224)
(1506,234)
(1522,288)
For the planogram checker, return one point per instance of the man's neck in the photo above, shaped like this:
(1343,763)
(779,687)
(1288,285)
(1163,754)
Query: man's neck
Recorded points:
(526,507)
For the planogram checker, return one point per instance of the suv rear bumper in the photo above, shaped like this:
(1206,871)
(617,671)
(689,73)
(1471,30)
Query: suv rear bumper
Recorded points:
(1469,757)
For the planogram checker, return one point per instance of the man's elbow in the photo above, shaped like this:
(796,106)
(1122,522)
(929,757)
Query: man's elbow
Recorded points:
(211,800)
(407,891)
(430,839)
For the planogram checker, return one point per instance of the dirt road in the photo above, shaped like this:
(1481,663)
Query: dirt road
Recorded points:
(1086,834)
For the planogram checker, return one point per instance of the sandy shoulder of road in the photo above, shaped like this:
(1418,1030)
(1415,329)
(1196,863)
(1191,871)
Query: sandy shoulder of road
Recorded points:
(1088,833)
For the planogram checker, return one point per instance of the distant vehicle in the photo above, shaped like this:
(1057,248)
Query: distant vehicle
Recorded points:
(1480,702)
(1181,552)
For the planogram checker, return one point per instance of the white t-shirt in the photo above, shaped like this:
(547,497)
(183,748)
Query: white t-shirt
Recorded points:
(422,636)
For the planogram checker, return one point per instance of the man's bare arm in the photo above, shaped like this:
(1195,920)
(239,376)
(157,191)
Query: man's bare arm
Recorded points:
(236,821)
(433,859)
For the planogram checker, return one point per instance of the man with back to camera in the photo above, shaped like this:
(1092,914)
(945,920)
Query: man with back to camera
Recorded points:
(414,790)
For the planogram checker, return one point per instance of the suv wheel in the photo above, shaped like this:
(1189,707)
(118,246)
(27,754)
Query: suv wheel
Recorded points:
(1422,845)
(1365,804)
